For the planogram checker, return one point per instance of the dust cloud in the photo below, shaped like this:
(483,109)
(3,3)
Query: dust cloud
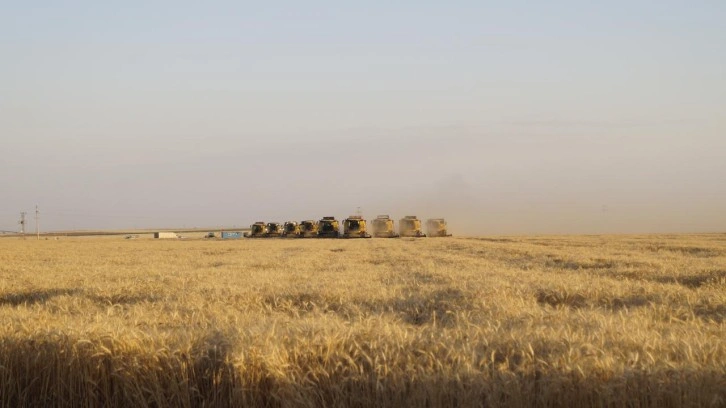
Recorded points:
(486,183)
(498,179)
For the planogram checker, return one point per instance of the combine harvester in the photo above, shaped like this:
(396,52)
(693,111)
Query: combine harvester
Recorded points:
(355,227)
(257,230)
(291,229)
(274,229)
(436,227)
(308,229)
(328,227)
(383,227)
(410,226)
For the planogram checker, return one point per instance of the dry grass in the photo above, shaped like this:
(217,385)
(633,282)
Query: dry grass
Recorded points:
(506,321)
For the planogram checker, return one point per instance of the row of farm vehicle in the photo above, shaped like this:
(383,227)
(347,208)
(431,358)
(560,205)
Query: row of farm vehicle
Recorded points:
(354,226)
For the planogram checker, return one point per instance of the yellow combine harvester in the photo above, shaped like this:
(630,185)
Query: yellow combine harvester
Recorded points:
(274,229)
(291,229)
(328,227)
(308,229)
(257,230)
(383,227)
(410,226)
(436,227)
(355,227)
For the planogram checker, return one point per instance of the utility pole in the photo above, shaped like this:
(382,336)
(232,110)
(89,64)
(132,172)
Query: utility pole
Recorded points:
(22,223)
(37,226)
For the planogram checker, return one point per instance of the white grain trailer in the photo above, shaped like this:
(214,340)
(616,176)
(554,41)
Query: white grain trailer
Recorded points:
(166,235)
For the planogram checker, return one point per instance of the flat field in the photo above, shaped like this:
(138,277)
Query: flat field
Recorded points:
(481,321)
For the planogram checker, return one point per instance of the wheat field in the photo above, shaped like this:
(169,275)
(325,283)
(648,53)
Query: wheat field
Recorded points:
(483,321)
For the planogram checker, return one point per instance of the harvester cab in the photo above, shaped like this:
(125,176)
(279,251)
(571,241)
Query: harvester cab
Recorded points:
(383,227)
(328,227)
(274,229)
(291,229)
(410,226)
(257,230)
(308,229)
(436,227)
(355,227)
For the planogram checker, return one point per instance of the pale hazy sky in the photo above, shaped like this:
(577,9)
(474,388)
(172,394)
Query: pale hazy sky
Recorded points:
(504,117)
